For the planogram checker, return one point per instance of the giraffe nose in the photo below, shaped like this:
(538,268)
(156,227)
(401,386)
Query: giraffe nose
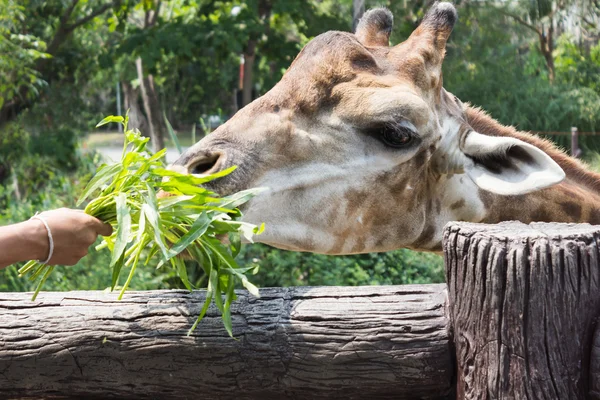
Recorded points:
(205,164)
(199,161)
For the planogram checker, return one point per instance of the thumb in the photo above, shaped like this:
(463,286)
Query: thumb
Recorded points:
(102,228)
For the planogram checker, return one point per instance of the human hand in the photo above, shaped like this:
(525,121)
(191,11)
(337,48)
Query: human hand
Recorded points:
(73,232)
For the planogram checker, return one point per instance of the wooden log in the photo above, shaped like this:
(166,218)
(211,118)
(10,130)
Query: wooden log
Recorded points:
(308,343)
(595,366)
(524,300)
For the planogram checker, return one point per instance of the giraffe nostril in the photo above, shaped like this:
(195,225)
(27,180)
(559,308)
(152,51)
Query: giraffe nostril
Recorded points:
(205,165)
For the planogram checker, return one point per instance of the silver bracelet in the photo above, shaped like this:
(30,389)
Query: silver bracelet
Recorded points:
(50,239)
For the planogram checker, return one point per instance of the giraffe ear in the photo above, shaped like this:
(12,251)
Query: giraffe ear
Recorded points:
(375,27)
(436,27)
(508,166)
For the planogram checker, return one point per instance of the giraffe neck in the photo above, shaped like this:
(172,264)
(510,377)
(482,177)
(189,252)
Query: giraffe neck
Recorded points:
(568,201)
(463,201)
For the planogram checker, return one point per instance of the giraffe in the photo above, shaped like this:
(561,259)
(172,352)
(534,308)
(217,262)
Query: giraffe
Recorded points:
(361,149)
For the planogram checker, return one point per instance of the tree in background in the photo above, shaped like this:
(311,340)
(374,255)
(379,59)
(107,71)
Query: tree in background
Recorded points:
(549,18)
(34,23)
(151,11)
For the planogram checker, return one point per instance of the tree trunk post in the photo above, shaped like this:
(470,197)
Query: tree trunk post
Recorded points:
(524,300)
(137,119)
(248,74)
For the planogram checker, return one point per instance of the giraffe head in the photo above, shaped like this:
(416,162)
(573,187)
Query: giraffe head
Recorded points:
(362,149)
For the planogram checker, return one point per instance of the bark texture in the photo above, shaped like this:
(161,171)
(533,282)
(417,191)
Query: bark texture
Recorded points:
(386,342)
(137,119)
(595,366)
(151,107)
(524,300)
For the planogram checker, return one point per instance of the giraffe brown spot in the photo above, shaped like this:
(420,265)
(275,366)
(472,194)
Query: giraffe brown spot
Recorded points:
(457,204)
(486,198)
(594,216)
(572,209)
(434,81)
(425,237)
(398,188)
(359,247)
(541,215)
(356,198)
(420,158)
(340,241)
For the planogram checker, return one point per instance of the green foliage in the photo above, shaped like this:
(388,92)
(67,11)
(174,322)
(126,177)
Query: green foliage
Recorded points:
(14,143)
(283,268)
(575,66)
(486,67)
(60,145)
(192,219)
(19,53)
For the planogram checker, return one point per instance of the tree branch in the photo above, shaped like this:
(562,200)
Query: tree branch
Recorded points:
(521,21)
(154,16)
(94,14)
(67,14)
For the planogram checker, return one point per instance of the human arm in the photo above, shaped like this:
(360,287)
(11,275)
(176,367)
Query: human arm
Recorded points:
(73,231)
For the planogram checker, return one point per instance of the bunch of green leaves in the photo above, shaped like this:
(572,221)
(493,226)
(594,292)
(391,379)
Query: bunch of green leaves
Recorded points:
(191,220)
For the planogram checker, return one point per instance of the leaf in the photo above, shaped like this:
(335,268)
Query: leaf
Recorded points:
(123,229)
(104,174)
(250,287)
(202,312)
(172,134)
(117,271)
(170,201)
(235,243)
(136,256)
(179,265)
(193,179)
(111,118)
(183,188)
(196,230)
(153,219)
(214,281)
(229,298)
(209,295)
(151,211)
(141,225)
(239,198)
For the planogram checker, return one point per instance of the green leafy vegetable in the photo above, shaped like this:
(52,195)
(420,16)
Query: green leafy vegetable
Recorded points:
(191,220)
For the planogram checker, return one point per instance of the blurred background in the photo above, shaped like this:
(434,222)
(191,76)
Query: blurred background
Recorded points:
(66,64)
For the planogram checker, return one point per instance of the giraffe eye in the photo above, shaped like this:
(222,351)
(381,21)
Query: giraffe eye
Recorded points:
(397,136)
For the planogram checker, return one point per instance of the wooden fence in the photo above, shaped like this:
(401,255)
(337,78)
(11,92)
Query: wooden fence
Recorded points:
(517,319)
(574,133)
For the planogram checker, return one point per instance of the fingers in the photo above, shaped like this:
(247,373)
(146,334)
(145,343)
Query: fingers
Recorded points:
(102,228)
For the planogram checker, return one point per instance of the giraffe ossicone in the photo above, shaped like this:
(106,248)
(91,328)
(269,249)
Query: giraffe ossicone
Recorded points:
(362,149)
